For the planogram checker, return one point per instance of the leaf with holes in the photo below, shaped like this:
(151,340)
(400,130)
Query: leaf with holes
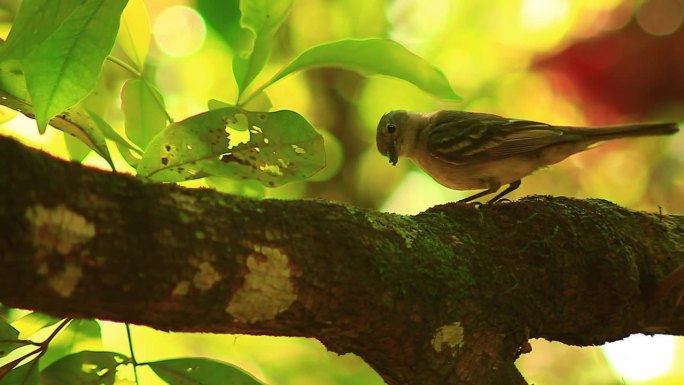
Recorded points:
(271,147)
(134,34)
(96,368)
(196,371)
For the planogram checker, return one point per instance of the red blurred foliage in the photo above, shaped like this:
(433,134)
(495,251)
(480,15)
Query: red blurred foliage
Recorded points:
(621,75)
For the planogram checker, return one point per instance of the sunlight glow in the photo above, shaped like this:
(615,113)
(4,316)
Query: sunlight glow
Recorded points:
(415,22)
(541,14)
(639,357)
(179,31)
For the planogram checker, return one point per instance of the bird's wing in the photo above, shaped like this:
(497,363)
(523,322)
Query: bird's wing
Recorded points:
(465,137)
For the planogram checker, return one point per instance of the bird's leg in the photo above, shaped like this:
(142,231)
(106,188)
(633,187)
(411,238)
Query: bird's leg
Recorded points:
(480,194)
(511,187)
(492,187)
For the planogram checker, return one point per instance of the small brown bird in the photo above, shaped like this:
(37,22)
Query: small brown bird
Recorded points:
(469,150)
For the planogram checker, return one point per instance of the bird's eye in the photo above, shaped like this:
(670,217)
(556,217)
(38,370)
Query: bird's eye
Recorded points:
(391,128)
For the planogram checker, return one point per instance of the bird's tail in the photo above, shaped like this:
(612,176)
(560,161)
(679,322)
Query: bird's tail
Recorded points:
(628,130)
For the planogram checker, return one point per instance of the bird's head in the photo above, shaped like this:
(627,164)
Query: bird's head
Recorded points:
(390,134)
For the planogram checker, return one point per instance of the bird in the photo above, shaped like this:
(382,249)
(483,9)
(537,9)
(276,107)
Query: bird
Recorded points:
(472,150)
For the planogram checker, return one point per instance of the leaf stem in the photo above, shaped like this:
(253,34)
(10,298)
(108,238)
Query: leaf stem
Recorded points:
(260,89)
(125,66)
(130,347)
(54,333)
(139,74)
(40,350)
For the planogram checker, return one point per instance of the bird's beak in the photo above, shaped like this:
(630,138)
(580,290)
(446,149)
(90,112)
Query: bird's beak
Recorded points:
(392,155)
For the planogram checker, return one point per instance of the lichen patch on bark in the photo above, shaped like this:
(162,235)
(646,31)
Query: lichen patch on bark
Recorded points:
(267,288)
(182,288)
(64,282)
(206,276)
(58,229)
(448,336)
(59,234)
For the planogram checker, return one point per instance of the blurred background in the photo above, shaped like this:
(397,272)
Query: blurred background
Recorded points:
(569,62)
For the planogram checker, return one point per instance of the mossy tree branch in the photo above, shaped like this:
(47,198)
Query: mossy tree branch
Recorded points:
(449,296)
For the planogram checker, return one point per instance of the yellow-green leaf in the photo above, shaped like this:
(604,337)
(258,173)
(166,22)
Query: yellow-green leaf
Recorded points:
(134,34)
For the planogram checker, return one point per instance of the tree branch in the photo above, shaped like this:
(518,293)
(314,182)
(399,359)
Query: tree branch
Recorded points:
(449,296)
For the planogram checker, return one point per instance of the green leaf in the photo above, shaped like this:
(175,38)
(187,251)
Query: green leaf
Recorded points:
(224,18)
(79,335)
(373,56)
(74,121)
(84,368)
(64,68)
(143,109)
(271,147)
(76,148)
(260,102)
(201,371)
(215,104)
(12,81)
(8,333)
(262,18)
(32,322)
(35,21)
(26,374)
(129,151)
(134,34)
(78,122)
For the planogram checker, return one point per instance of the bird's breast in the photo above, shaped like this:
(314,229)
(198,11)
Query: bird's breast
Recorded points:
(477,175)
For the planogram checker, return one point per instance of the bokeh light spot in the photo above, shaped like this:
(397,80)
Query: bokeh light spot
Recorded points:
(661,17)
(542,14)
(415,22)
(639,357)
(179,31)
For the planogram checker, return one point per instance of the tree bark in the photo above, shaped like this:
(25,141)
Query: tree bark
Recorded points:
(448,296)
